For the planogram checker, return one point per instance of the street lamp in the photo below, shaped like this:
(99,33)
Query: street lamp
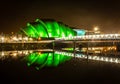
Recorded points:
(96,28)
(2,39)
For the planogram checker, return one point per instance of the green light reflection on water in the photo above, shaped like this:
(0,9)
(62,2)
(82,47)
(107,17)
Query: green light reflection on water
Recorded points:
(48,59)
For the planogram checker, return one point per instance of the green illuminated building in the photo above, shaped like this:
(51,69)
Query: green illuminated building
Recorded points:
(47,29)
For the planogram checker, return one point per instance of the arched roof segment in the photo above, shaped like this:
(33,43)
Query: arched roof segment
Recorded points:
(47,28)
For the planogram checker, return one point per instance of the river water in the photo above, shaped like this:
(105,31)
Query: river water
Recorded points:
(48,66)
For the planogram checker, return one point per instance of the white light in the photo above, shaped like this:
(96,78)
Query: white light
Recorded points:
(102,35)
(70,35)
(111,60)
(94,36)
(106,35)
(20,38)
(26,38)
(57,38)
(96,28)
(111,35)
(14,54)
(2,38)
(116,60)
(102,58)
(2,54)
(94,57)
(89,36)
(106,59)
(20,52)
(116,35)
(97,58)
(15,38)
(26,53)
(90,57)
(30,51)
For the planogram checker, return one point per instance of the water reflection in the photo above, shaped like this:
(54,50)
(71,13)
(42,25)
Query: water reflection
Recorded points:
(14,54)
(49,58)
(17,53)
(46,59)
(37,58)
(112,59)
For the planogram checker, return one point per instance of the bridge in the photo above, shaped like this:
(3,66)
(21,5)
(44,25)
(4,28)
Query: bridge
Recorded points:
(76,41)
(22,39)
(84,38)
(100,43)
(105,38)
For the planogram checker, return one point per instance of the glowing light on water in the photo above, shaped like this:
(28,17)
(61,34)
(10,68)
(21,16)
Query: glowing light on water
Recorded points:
(41,60)
(98,58)
(2,54)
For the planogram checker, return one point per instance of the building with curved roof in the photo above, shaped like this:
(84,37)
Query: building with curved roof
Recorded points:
(47,28)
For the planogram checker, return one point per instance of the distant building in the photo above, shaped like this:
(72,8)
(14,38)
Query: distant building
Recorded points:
(80,32)
(91,32)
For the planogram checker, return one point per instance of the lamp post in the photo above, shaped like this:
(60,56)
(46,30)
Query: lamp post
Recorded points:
(96,29)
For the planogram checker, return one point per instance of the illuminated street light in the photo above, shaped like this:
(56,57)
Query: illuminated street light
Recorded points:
(2,54)
(96,28)
(30,39)
(25,38)
(15,38)
(2,38)
(20,38)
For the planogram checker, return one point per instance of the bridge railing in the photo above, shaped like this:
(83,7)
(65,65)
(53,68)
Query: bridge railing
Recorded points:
(88,37)
(21,39)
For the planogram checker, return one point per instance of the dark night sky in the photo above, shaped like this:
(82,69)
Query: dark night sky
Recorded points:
(83,14)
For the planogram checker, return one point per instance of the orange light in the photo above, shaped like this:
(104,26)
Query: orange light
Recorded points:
(39,52)
(39,38)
